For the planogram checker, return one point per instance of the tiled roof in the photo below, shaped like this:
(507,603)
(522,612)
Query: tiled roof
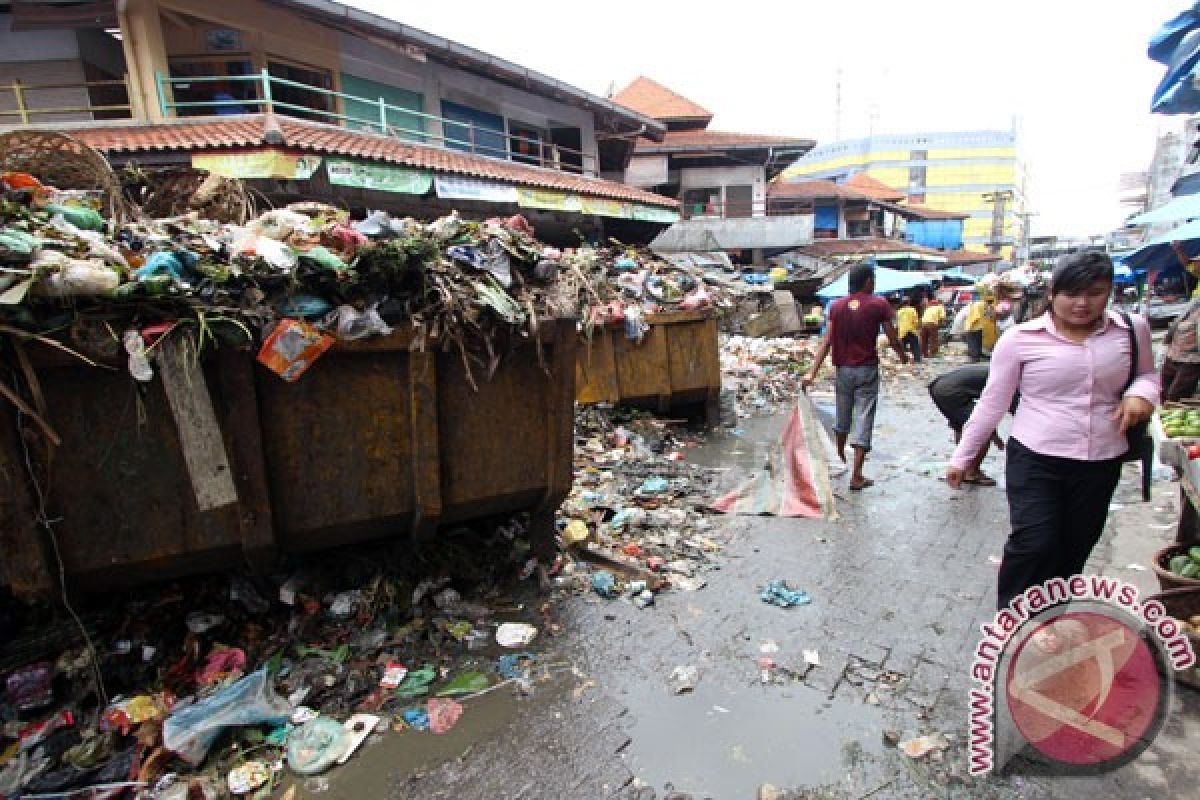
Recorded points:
(255,130)
(925,212)
(960,258)
(833,248)
(873,188)
(684,140)
(813,190)
(651,98)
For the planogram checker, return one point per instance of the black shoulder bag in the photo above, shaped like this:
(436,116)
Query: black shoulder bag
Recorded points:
(1140,443)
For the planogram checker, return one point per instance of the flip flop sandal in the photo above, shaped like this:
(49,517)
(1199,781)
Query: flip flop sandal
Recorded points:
(980,480)
(867,482)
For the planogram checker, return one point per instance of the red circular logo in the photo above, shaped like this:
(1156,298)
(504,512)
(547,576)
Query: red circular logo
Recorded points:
(1083,688)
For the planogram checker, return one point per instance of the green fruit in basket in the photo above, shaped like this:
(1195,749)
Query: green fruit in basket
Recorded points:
(1176,564)
(1194,553)
(1190,571)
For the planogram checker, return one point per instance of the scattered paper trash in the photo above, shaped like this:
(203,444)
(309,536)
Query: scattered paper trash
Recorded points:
(922,746)
(684,679)
(245,778)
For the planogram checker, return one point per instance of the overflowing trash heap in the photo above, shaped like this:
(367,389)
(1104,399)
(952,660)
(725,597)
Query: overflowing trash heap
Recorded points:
(763,375)
(294,278)
(226,685)
(637,520)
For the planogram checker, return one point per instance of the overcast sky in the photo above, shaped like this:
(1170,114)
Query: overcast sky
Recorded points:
(1074,75)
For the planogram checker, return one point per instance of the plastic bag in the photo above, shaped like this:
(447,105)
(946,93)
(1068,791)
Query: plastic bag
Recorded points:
(175,264)
(305,306)
(190,732)
(316,746)
(139,365)
(76,278)
(87,219)
(292,348)
(351,324)
(321,257)
(281,223)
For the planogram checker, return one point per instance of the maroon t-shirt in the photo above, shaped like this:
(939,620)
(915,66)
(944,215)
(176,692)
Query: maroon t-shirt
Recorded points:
(856,320)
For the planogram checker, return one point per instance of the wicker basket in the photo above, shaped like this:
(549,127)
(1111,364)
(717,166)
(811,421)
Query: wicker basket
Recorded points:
(63,162)
(1169,580)
(1183,604)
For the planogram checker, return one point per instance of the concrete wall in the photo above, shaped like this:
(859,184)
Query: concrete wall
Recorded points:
(40,57)
(711,177)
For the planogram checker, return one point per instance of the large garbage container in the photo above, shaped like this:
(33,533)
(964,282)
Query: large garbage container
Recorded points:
(375,440)
(676,365)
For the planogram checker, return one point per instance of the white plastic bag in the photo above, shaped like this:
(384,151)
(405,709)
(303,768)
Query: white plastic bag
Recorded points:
(349,323)
(74,277)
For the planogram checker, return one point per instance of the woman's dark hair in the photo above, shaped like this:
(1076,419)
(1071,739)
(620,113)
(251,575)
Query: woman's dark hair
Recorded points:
(1075,272)
(859,277)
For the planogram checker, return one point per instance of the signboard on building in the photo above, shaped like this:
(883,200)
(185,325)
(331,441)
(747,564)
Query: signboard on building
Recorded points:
(548,199)
(250,164)
(455,187)
(655,214)
(603,207)
(377,177)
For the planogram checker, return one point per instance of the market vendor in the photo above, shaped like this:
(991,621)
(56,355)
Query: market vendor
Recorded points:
(1181,366)
(980,326)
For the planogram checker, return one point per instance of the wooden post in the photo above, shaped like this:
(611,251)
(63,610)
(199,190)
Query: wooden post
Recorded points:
(426,454)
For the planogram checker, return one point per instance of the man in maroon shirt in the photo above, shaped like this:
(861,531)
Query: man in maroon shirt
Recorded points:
(852,333)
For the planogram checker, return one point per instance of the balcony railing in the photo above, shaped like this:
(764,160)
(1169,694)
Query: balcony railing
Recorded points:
(427,129)
(29,111)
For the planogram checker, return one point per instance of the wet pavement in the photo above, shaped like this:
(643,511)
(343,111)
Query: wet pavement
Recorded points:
(899,586)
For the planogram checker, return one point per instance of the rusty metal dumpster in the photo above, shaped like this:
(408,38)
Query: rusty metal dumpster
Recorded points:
(675,366)
(376,440)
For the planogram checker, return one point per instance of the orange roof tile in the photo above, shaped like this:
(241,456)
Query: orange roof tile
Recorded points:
(252,130)
(682,140)
(925,212)
(874,188)
(832,248)
(651,98)
(813,190)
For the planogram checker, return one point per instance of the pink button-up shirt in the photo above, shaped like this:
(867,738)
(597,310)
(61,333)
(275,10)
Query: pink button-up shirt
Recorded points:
(1069,390)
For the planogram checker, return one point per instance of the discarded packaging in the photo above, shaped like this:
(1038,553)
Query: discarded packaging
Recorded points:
(515,634)
(778,593)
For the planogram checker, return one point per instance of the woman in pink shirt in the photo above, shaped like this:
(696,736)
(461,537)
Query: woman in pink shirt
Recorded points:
(1071,366)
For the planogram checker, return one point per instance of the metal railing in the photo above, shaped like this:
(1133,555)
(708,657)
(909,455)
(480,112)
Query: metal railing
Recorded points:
(479,140)
(740,210)
(27,109)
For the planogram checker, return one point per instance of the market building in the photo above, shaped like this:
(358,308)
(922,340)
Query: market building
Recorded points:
(719,178)
(978,173)
(317,99)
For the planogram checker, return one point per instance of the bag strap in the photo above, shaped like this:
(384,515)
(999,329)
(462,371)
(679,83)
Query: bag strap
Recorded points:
(1133,352)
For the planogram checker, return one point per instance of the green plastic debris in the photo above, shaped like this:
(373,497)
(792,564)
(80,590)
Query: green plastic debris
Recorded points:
(338,655)
(87,219)
(321,257)
(466,683)
(416,683)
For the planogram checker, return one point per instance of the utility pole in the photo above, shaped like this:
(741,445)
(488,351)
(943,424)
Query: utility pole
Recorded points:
(837,107)
(999,201)
(1023,253)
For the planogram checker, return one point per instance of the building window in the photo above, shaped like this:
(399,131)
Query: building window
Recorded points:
(918,155)
(474,131)
(702,202)
(213,97)
(402,110)
(525,143)
(293,100)
(916,177)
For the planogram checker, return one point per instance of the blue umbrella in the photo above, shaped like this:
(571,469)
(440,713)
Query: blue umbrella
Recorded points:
(1163,251)
(886,282)
(1177,44)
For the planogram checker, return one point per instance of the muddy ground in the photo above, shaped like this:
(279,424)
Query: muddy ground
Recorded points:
(899,586)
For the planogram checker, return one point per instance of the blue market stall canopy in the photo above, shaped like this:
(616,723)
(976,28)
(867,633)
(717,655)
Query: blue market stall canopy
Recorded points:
(1179,209)
(1177,44)
(1164,251)
(886,282)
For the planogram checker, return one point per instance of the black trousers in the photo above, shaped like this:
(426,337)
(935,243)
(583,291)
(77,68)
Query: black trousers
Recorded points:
(1057,508)
(913,344)
(974,345)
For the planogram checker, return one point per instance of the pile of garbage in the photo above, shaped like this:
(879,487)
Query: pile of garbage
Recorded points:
(234,686)
(306,275)
(638,519)
(617,286)
(763,375)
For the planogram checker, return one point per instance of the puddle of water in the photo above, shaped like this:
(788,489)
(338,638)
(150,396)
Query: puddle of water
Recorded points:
(721,742)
